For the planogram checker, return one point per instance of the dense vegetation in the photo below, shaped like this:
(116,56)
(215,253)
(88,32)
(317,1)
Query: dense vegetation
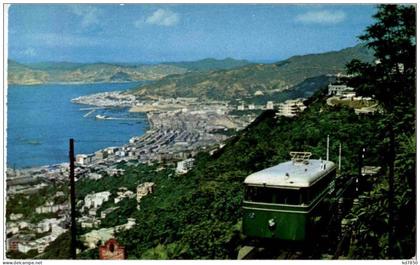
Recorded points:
(198,215)
(385,226)
(246,80)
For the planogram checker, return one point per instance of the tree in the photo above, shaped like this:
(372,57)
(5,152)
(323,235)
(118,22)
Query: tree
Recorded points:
(391,78)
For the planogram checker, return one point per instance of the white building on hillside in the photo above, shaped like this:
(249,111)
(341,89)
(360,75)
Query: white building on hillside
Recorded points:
(123,193)
(144,189)
(291,108)
(339,90)
(97,199)
(14,217)
(81,159)
(50,207)
(184,166)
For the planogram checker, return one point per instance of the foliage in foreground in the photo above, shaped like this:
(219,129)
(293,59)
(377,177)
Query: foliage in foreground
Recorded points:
(197,215)
(384,222)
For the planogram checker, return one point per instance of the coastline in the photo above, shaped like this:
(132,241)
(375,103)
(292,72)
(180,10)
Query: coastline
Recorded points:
(54,119)
(168,119)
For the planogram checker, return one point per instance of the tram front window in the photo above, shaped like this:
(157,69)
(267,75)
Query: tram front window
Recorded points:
(274,195)
(287,196)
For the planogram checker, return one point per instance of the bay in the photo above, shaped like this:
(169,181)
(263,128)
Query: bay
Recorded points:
(41,119)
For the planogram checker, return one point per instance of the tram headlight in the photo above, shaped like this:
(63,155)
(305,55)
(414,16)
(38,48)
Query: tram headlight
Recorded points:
(271,224)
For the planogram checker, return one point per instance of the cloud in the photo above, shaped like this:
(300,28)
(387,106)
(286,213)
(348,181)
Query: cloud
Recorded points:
(89,15)
(321,17)
(162,17)
(31,52)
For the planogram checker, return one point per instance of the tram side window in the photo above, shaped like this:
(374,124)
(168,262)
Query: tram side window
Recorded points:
(275,195)
(287,196)
(258,194)
(320,186)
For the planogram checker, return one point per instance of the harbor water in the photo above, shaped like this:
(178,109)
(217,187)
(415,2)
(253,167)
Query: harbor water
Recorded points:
(41,119)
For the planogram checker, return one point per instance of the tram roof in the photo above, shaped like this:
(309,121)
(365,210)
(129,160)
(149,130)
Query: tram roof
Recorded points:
(291,174)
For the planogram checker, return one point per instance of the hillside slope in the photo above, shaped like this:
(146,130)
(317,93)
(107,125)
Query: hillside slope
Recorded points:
(246,80)
(197,216)
(22,74)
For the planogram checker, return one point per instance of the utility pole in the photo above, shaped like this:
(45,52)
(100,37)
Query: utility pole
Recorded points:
(328,147)
(339,158)
(72,201)
(391,159)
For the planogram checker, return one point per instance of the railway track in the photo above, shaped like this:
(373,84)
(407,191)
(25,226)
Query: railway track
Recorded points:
(270,253)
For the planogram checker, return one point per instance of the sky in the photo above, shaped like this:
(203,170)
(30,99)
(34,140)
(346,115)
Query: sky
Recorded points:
(152,33)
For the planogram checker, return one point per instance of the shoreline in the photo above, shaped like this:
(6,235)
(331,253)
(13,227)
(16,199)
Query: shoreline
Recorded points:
(132,127)
(176,126)
(65,164)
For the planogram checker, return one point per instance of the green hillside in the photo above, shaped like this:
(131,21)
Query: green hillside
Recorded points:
(207,201)
(297,68)
(304,89)
(246,80)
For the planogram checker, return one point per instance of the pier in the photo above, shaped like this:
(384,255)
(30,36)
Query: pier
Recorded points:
(101,117)
(90,112)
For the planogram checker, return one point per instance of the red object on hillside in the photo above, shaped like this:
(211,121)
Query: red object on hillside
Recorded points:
(111,250)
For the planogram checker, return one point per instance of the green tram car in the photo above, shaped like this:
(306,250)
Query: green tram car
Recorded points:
(282,202)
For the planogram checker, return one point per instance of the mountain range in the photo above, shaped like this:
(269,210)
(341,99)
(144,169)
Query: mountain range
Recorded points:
(206,79)
(67,72)
(63,72)
(210,64)
(245,81)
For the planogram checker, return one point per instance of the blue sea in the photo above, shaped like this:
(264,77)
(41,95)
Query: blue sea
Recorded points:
(41,119)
